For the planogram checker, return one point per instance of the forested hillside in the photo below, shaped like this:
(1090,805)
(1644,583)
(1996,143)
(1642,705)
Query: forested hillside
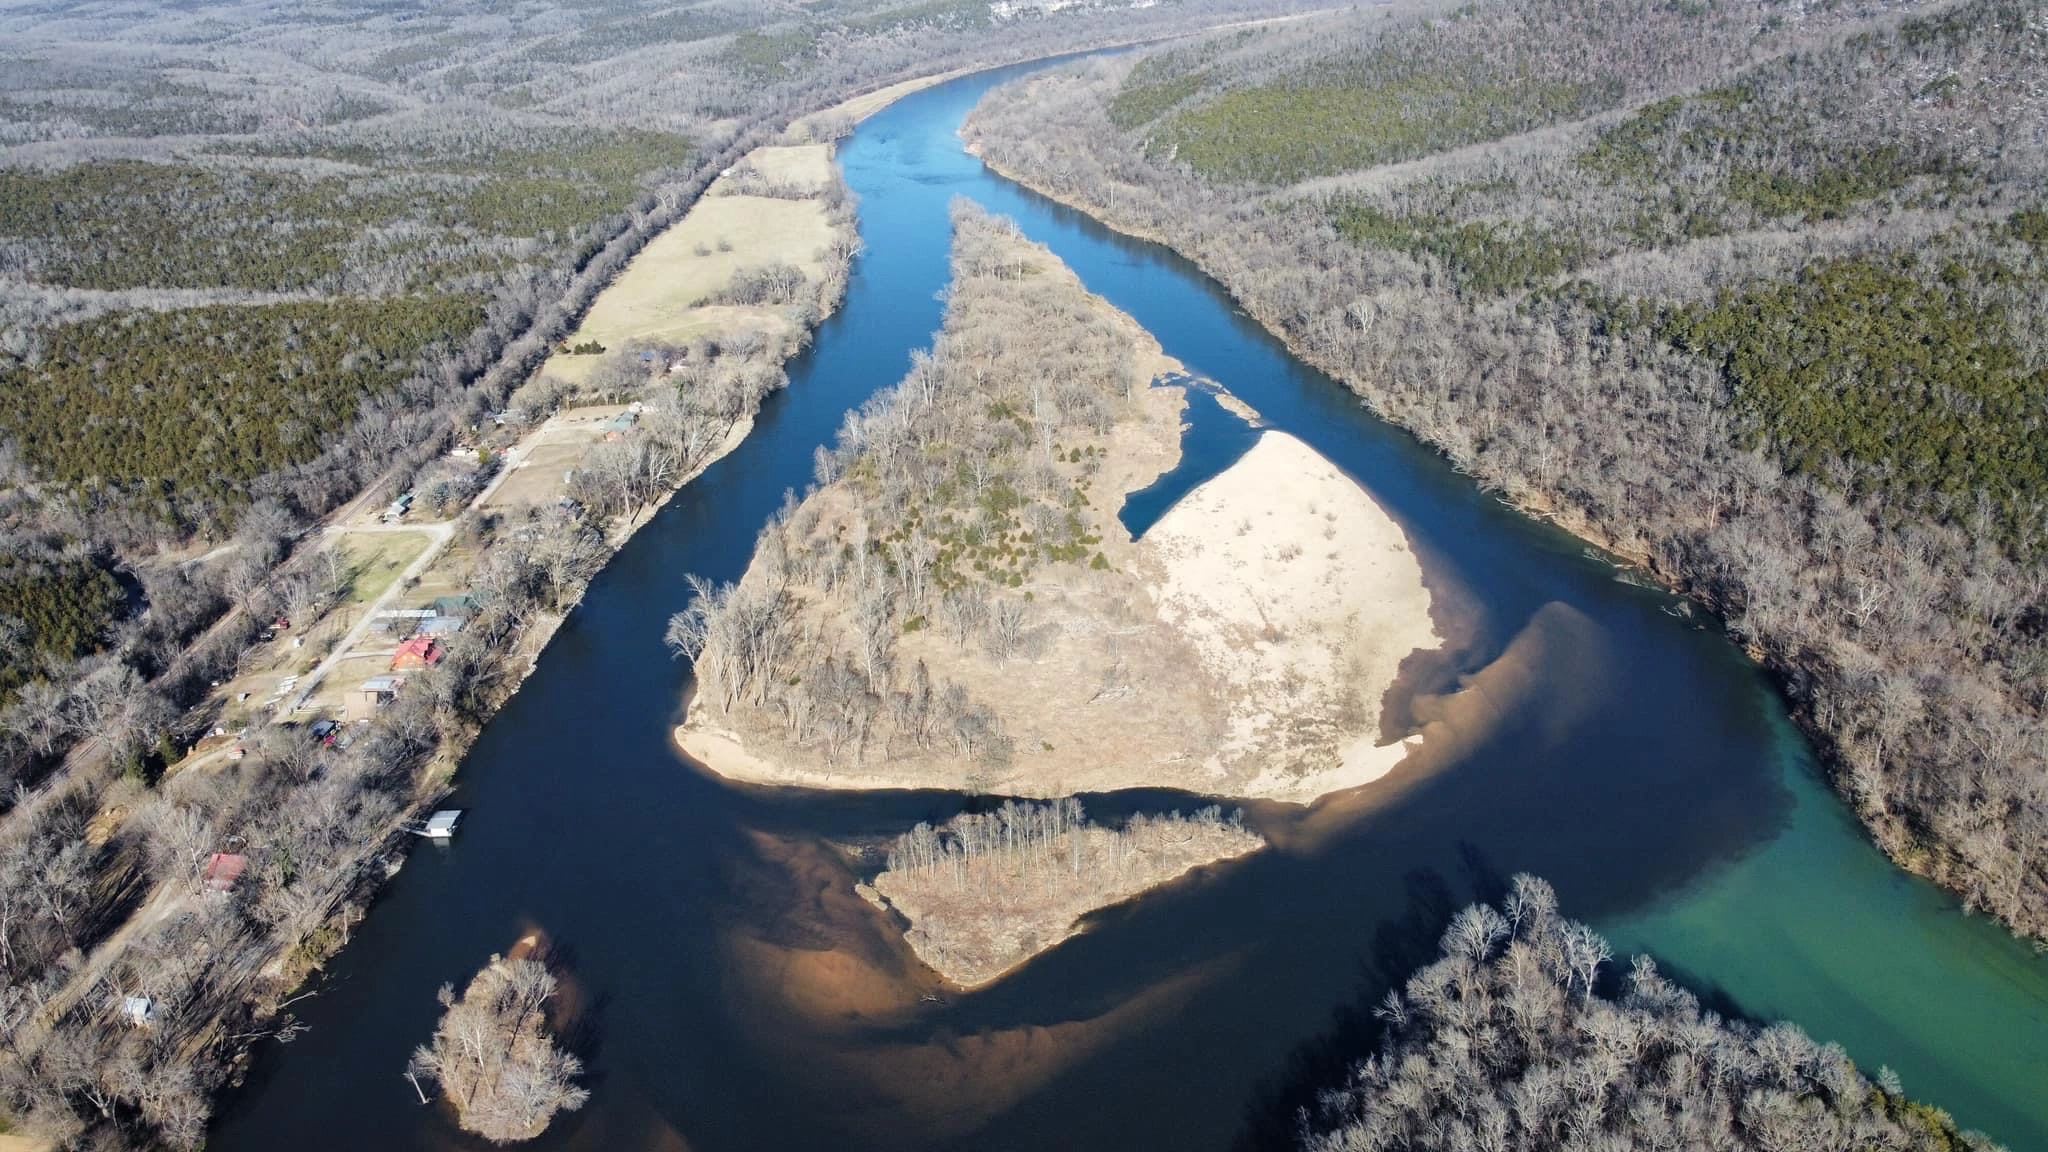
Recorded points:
(1751,292)
(1519,1037)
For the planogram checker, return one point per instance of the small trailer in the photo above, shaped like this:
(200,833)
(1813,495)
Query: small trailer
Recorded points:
(441,826)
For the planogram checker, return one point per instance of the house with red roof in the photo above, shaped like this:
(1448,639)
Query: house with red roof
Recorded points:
(224,870)
(418,652)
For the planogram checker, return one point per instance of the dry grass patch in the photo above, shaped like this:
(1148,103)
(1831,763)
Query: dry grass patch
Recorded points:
(657,294)
(804,166)
(546,457)
(541,476)
(331,697)
(374,560)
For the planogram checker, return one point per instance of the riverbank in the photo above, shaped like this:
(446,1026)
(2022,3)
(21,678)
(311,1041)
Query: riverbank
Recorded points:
(629,294)
(345,665)
(842,117)
(1241,647)
(509,666)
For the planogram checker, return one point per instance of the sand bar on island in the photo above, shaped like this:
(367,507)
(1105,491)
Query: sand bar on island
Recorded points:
(1303,598)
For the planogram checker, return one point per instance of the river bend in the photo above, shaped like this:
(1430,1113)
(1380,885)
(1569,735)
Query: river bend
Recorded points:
(1607,741)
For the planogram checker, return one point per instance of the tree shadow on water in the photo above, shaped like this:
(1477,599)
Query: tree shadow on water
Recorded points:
(1399,945)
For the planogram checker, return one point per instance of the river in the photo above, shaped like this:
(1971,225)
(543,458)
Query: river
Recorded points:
(733,994)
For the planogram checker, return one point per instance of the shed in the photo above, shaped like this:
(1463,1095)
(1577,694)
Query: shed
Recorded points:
(459,607)
(370,695)
(140,1010)
(224,870)
(440,626)
(418,652)
(441,825)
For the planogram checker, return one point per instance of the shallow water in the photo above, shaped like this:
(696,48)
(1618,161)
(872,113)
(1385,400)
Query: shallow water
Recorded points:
(1212,439)
(738,995)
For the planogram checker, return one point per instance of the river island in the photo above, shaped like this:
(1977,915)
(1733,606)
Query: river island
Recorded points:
(957,605)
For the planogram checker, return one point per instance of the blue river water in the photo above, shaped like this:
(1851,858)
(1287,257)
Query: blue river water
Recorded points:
(1212,439)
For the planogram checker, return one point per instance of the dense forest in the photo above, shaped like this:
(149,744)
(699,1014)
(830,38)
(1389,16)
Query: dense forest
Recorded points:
(187,411)
(1518,1037)
(1750,292)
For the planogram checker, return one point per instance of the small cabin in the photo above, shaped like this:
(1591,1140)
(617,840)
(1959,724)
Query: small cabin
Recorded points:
(454,607)
(418,652)
(441,825)
(224,870)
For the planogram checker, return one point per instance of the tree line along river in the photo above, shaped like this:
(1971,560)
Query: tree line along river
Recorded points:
(718,964)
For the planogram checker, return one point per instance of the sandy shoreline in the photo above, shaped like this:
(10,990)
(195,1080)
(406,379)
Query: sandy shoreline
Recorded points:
(1302,596)
(859,108)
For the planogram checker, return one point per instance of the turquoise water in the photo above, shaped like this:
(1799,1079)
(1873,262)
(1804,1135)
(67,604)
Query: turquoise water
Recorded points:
(1881,962)
(720,959)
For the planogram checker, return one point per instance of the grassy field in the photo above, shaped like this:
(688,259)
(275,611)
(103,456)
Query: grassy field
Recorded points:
(447,576)
(805,165)
(374,560)
(657,296)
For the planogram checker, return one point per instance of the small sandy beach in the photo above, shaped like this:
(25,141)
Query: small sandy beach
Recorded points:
(1302,597)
